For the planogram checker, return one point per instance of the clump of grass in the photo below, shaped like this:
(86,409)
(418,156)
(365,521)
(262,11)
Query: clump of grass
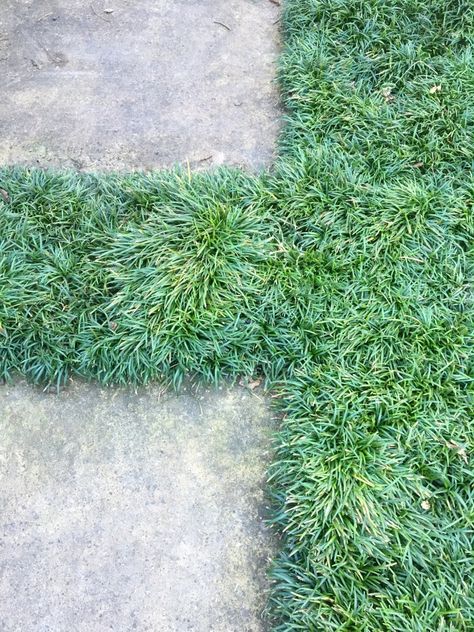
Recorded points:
(344,276)
(181,289)
(372,481)
(130,279)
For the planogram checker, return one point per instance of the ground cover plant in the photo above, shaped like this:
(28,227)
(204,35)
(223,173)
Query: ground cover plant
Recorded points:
(343,276)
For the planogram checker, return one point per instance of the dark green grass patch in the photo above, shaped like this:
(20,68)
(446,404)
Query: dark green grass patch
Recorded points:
(344,276)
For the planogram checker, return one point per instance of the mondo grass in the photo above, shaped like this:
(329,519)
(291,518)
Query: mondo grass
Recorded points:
(344,276)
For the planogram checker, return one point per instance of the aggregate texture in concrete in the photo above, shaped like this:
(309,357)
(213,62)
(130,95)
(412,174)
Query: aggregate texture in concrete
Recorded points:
(124,510)
(103,85)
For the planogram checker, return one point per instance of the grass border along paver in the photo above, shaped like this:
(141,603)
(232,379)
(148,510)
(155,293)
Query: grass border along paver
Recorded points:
(343,276)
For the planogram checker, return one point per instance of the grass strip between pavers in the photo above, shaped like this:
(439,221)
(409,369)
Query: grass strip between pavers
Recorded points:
(344,276)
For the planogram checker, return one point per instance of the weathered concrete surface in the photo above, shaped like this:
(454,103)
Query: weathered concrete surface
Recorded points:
(132,511)
(125,84)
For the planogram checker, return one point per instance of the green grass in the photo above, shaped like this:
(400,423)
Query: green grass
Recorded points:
(344,276)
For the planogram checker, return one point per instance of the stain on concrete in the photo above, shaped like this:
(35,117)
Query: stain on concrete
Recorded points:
(125,510)
(138,84)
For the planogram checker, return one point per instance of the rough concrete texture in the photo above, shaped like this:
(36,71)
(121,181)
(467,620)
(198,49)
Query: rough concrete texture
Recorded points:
(127,84)
(127,510)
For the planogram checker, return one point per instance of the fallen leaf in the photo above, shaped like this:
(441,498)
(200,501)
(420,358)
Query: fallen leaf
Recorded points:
(435,89)
(4,195)
(249,383)
(459,449)
(425,505)
(387,94)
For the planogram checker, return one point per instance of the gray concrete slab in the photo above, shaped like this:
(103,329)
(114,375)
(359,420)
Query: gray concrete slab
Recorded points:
(138,84)
(132,511)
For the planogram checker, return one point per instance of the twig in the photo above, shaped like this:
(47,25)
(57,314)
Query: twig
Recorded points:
(222,24)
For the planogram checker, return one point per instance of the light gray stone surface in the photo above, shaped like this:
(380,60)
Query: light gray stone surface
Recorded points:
(123,510)
(138,84)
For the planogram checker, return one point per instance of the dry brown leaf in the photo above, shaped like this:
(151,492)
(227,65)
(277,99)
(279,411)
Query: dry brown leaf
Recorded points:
(459,449)
(387,94)
(249,383)
(253,384)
